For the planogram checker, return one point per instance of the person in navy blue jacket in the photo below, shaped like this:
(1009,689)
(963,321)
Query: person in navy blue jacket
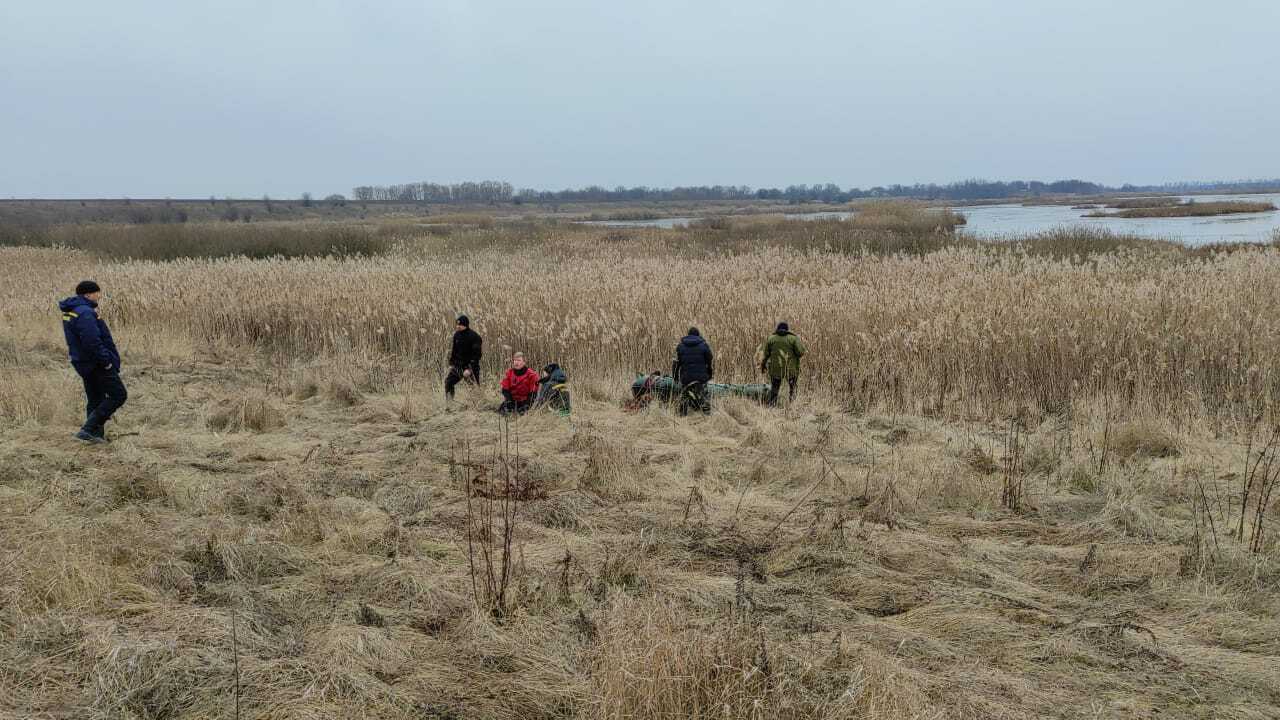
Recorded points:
(693,368)
(96,360)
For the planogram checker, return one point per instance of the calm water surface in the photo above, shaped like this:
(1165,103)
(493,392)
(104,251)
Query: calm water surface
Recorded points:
(994,221)
(1017,220)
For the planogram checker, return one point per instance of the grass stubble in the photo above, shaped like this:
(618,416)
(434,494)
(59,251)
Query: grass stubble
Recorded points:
(1023,480)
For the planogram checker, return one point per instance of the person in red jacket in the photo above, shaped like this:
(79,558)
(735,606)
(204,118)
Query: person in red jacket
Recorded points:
(519,387)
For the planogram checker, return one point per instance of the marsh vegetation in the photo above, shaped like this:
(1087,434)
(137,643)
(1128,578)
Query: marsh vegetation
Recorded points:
(1026,478)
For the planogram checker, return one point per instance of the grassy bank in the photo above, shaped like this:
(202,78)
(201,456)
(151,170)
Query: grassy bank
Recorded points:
(1189,209)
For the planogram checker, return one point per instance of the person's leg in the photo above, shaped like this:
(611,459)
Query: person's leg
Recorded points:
(451,381)
(114,397)
(791,382)
(94,395)
(704,399)
(775,384)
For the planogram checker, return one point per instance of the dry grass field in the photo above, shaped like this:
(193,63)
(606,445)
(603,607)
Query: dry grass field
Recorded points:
(1023,480)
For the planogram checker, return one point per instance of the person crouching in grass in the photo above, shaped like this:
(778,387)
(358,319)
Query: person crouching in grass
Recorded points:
(95,358)
(519,387)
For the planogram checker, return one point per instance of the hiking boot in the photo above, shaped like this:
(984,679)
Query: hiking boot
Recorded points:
(89,437)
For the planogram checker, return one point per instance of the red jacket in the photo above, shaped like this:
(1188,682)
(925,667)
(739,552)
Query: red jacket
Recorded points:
(522,387)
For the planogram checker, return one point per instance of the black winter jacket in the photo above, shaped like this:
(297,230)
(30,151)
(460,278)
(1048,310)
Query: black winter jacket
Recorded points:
(693,361)
(465,353)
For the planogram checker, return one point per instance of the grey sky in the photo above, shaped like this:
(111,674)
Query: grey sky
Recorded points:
(154,99)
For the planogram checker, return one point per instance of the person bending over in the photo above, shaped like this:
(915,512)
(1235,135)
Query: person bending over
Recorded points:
(693,368)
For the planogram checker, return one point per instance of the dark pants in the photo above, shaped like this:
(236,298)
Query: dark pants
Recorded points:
(455,376)
(694,395)
(518,407)
(105,393)
(775,384)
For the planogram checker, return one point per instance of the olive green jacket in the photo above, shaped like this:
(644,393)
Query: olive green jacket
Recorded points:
(782,355)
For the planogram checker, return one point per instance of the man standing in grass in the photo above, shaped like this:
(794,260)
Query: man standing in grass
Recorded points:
(94,356)
(782,353)
(693,368)
(464,357)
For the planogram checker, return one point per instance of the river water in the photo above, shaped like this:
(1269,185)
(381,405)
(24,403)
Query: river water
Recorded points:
(996,221)
(1016,220)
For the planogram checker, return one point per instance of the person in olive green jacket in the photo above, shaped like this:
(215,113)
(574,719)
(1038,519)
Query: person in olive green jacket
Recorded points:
(781,360)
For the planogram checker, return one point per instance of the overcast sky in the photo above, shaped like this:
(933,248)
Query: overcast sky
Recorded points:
(154,99)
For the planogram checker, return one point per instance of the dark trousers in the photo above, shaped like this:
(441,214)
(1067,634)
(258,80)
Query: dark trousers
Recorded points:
(105,393)
(694,396)
(775,384)
(455,376)
(512,406)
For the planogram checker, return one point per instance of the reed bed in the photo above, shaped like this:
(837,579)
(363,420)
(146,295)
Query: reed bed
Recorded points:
(174,241)
(968,328)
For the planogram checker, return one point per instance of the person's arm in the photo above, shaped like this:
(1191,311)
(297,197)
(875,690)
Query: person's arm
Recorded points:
(800,348)
(86,326)
(476,347)
(454,360)
(711,368)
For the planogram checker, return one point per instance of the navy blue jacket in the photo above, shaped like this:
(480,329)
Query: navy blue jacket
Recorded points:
(693,360)
(89,341)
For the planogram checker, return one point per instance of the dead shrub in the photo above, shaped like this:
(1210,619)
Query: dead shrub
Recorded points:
(343,392)
(1081,478)
(1143,439)
(980,460)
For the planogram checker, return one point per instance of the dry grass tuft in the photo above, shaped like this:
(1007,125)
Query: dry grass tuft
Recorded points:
(1143,439)
(652,662)
(256,414)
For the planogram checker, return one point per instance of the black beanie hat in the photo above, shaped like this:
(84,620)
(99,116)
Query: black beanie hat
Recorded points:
(464,321)
(782,327)
(87,286)
(694,331)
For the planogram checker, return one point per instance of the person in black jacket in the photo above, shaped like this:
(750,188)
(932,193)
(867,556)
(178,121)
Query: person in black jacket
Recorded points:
(693,368)
(464,357)
(94,355)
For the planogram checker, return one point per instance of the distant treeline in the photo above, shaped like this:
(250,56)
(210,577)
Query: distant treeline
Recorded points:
(492,191)
(1218,186)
